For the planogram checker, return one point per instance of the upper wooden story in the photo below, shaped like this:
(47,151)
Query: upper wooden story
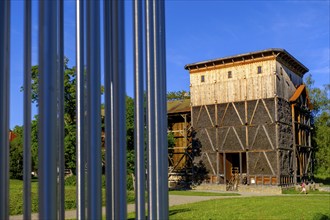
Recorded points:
(257,75)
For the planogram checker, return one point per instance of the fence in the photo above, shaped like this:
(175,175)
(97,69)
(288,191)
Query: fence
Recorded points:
(149,51)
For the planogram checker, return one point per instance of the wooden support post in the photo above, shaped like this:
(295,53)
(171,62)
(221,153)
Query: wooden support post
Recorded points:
(224,168)
(240,167)
(294,145)
(217,141)
(218,178)
(247,168)
(277,142)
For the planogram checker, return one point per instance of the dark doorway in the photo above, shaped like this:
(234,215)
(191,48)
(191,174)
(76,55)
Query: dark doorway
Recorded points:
(233,164)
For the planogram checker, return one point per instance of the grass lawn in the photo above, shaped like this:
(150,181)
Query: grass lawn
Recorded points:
(274,207)
(16,197)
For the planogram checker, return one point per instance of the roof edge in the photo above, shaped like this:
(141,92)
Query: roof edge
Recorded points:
(240,57)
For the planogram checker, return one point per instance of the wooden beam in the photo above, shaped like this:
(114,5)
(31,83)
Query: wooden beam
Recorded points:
(268,137)
(224,168)
(208,158)
(207,133)
(254,111)
(208,113)
(239,140)
(224,114)
(267,110)
(255,136)
(240,167)
(294,145)
(225,138)
(269,164)
(237,113)
(308,161)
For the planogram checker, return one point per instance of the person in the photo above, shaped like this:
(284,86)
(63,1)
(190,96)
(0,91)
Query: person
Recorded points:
(303,188)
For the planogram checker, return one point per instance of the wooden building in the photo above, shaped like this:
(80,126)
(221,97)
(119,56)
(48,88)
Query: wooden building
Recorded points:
(251,115)
(180,155)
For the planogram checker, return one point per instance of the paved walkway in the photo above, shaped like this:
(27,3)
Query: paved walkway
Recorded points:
(173,200)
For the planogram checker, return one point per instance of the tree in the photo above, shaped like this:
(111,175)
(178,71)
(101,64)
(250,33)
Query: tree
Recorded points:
(321,123)
(178,95)
(16,154)
(69,115)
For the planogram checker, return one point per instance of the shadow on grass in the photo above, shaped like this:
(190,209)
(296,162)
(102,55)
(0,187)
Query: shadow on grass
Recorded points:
(320,216)
(325,181)
(176,211)
(171,212)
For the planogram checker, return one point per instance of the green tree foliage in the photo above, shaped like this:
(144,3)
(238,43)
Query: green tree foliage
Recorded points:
(178,95)
(16,154)
(321,113)
(69,116)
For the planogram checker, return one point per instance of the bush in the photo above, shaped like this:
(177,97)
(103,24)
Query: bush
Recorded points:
(71,181)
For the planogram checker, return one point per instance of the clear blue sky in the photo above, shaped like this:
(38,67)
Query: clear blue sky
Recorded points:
(202,30)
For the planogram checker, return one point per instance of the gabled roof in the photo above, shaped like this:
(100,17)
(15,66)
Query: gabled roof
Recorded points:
(281,54)
(300,91)
(179,106)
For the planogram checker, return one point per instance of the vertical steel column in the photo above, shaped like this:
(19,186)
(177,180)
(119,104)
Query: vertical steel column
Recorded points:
(94,110)
(27,112)
(80,110)
(119,110)
(139,111)
(4,107)
(61,163)
(48,110)
(158,110)
(162,48)
(108,106)
(152,209)
(160,106)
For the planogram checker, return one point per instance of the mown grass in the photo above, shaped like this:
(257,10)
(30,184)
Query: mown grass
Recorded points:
(199,193)
(16,197)
(293,191)
(272,207)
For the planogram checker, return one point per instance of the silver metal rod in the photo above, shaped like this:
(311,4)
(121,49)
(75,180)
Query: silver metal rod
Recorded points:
(158,109)
(27,112)
(108,105)
(4,107)
(139,111)
(94,111)
(61,162)
(152,199)
(119,110)
(163,119)
(80,111)
(48,110)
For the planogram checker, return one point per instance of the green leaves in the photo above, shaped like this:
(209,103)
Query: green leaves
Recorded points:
(321,114)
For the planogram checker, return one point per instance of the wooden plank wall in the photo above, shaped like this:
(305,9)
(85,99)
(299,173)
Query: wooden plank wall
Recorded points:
(245,84)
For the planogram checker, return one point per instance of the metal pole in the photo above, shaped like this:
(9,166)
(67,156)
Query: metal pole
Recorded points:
(61,162)
(158,109)
(80,110)
(164,146)
(4,107)
(48,110)
(139,111)
(119,110)
(94,110)
(108,80)
(152,210)
(27,112)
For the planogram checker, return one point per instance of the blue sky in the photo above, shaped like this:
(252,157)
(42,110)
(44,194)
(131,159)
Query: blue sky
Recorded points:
(202,30)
